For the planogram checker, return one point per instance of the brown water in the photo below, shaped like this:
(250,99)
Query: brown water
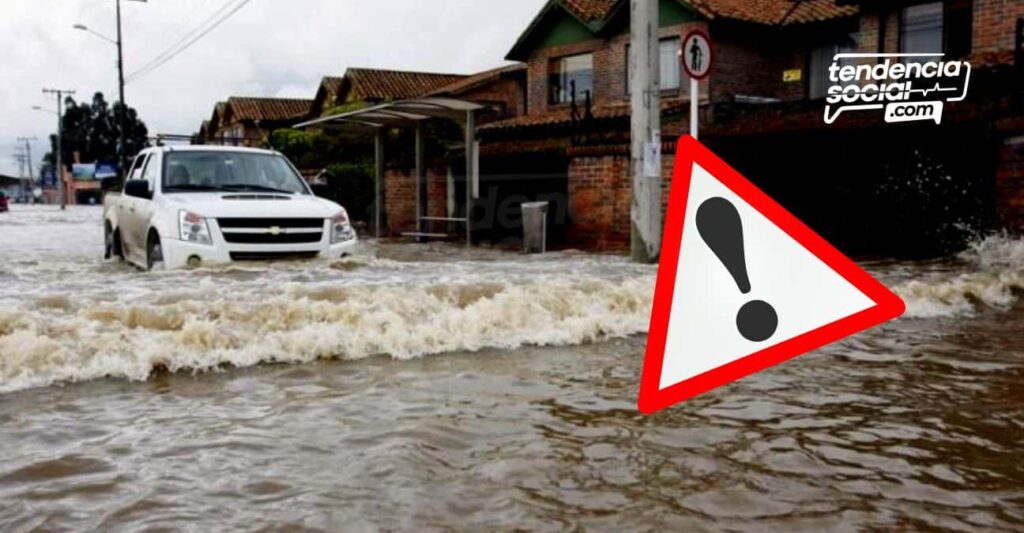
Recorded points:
(480,391)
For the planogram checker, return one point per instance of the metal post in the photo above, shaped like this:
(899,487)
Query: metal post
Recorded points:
(379,182)
(28,162)
(123,150)
(419,177)
(59,170)
(470,143)
(645,101)
(694,108)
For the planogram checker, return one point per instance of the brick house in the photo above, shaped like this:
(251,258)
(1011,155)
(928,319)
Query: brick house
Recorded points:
(575,131)
(558,125)
(762,108)
(246,121)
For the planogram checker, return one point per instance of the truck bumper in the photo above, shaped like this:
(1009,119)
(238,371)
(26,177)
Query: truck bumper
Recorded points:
(180,254)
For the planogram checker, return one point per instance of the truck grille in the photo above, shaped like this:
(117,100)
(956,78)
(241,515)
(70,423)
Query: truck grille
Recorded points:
(272,230)
(265,223)
(269,238)
(271,256)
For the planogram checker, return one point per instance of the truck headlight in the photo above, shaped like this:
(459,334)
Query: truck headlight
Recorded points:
(193,228)
(341,228)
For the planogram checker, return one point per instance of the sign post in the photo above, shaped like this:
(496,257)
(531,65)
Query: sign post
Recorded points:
(697,60)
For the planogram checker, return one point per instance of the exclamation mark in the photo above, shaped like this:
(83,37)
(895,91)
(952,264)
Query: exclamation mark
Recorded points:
(720,226)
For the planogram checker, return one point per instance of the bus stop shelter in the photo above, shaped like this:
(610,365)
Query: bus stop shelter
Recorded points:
(413,114)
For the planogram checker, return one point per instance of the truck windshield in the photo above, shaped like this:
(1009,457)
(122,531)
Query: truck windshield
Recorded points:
(230,171)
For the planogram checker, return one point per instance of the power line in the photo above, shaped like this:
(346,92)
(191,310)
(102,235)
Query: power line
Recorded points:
(190,39)
(191,33)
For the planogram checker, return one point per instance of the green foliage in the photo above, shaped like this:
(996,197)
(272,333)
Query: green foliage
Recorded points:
(294,144)
(92,129)
(344,108)
(352,186)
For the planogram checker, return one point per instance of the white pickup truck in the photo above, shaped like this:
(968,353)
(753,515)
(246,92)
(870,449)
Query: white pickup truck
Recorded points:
(202,205)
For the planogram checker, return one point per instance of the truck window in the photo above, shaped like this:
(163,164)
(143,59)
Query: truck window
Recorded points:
(136,166)
(149,172)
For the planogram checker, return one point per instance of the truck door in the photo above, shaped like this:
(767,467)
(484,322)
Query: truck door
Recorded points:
(144,206)
(127,214)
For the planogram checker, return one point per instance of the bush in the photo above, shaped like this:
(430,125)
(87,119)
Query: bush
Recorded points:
(352,186)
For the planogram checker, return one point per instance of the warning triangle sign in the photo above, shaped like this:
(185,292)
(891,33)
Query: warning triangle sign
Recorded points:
(743,285)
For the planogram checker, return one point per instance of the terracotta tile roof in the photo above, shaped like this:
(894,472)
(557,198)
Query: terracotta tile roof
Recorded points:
(375,84)
(332,84)
(475,80)
(245,108)
(591,10)
(773,12)
(564,116)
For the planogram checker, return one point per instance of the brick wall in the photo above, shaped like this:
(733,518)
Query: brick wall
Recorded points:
(400,197)
(610,59)
(995,22)
(399,201)
(601,199)
(599,203)
(1010,185)
(504,92)
(745,66)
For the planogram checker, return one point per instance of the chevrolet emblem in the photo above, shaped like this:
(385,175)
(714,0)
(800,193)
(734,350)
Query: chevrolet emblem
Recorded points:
(275,230)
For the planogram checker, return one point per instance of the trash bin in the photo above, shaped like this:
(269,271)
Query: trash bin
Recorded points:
(535,227)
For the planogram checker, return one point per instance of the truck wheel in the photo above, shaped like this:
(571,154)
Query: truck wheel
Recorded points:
(113,243)
(154,252)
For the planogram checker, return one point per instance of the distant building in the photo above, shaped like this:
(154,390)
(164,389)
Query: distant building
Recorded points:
(248,121)
(364,86)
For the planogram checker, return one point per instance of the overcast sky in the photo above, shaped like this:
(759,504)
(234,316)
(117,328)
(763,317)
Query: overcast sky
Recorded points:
(268,48)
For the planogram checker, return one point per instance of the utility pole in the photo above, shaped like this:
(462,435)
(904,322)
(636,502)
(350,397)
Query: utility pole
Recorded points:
(123,149)
(28,152)
(58,159)
(28,161)
(645,101)
(20,159)
(122,117)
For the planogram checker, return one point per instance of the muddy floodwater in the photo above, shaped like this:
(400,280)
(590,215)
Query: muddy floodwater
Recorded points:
(431,388)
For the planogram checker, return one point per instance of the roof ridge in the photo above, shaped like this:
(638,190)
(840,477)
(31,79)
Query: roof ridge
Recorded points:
(397,71)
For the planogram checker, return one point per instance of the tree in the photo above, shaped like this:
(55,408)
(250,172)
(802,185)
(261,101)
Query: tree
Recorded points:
(92,129)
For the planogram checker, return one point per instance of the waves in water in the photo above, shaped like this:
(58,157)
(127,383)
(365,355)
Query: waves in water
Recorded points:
(988,275)
(60,341)
(65,316)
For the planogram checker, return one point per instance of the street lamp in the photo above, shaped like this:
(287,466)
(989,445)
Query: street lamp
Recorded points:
(120,81)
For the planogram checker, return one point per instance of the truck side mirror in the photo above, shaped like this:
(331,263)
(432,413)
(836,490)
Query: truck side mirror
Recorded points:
(138,189)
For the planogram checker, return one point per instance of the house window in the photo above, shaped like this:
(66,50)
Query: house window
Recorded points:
(938,27)
(670,61)
(670,52)
(921,30)
(820,60)
(572,77)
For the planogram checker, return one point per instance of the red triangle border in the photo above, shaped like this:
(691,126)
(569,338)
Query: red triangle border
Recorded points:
(652,398)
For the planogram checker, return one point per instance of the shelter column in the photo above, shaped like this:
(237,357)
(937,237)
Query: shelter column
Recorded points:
(470,145)
(378,205)
(420,196)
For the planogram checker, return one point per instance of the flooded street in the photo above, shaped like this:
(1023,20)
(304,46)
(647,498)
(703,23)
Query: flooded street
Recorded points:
(433,388)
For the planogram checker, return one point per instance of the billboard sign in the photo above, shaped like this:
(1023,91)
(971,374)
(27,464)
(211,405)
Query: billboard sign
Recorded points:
(84,172)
